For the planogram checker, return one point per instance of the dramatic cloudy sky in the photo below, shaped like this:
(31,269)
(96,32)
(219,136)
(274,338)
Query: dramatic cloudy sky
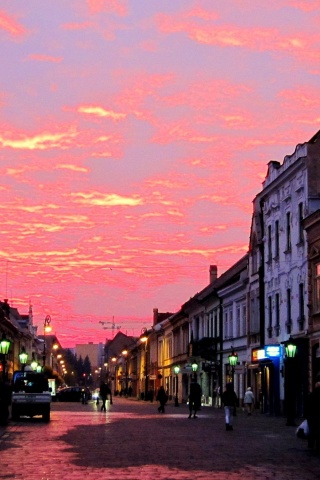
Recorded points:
(134,136)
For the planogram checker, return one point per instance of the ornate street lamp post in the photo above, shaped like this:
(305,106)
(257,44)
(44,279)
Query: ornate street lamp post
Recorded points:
(46,329)
(290,373)
(144,339)
(194,367)
(233,360)
(125,355)
(176,370)
(4,349)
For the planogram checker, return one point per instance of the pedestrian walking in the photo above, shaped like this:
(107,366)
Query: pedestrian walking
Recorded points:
(5,400)
(162,398)
(313,417)
(103,392)
(248,400)
(229,400)
(194,398)
(217,396)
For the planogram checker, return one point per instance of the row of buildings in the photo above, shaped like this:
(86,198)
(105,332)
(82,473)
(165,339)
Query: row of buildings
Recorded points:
(262,314)
(257,324)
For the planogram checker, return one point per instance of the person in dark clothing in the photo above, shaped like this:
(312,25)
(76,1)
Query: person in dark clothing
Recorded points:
(229,400)
(194,398)
(104,390)
(162,398)
(313,418)
(5,400)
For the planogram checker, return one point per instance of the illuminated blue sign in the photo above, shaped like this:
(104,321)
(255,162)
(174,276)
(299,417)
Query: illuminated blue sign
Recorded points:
(272,350)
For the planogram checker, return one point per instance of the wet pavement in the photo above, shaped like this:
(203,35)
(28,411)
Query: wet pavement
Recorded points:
(133,441)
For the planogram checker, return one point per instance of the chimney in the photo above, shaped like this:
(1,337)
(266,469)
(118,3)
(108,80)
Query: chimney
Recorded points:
(155,316)
(213,273)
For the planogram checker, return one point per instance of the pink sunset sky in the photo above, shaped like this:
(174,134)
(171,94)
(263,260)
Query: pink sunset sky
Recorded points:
(134,136)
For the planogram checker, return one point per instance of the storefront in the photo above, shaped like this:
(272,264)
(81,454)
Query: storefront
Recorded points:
(265,377)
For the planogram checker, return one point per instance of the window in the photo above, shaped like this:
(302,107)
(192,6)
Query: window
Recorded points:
(289,320)
(230,324)
(270,317)
(244,320)
(196,330)
(301,307)
(160,352)
(276,239)
(288,232)
(238,321)
(317,288)
(226,325)
(254,260)
(216,327)
(269,244)
(168,347)
(300,222)
(277,325)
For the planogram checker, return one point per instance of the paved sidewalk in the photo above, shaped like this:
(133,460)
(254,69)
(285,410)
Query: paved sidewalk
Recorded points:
(133,441)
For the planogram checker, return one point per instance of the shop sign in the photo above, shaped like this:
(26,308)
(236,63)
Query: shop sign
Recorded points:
(269,351)
(272,350)
(239,369)
(257,354)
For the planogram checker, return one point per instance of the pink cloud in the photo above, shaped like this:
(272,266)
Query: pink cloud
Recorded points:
(298,43)
(44,58)
(118,7)
(10,25)
(77,26)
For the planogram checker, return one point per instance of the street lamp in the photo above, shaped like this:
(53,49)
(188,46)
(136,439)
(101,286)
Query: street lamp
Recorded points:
(233,360)
(144,339)
(125,355)
(194,367)
(4,349)
(23,357)
(176,370)
(46,329)
(290,381)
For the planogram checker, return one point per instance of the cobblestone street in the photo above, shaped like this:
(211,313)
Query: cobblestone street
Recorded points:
(133,441)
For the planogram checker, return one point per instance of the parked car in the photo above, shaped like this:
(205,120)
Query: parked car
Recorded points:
(73,394)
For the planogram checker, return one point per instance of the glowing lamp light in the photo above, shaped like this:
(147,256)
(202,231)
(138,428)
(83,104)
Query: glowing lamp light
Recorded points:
(23,356)
(4,345)
(233,359)
(176,369)
(291,350)
(34,365)
(194,367)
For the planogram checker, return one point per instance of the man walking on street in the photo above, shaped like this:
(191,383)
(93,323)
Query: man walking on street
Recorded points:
(194,398)
(229,400)
(104,395)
